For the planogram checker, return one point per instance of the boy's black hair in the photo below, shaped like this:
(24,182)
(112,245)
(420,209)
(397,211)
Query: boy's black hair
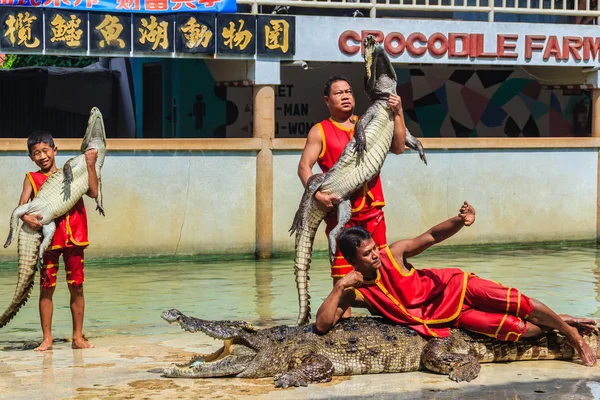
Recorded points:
(350,240)
(331,80)
(39,137)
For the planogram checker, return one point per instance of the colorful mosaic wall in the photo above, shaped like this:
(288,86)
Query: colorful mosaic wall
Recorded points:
(451,102)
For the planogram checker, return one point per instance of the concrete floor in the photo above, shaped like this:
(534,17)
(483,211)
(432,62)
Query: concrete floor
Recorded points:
(121,368)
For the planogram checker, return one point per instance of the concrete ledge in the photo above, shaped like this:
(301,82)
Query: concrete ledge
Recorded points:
(219,144)
(476,143)
(236,144)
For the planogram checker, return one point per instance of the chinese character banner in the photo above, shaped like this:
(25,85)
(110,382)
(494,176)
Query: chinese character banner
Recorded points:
(131,6)
(53,31)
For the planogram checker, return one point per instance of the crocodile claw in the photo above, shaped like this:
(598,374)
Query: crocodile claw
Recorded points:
(360,149)
(289,379)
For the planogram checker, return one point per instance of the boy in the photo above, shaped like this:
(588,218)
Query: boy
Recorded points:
(431,301)
(69,240)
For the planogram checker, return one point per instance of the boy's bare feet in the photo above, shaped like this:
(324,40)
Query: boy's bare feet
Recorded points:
(584,325)
(81,343)
(587,355)
(45,345)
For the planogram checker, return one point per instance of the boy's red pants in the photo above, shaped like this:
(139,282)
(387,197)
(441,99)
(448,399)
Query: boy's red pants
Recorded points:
(73,259)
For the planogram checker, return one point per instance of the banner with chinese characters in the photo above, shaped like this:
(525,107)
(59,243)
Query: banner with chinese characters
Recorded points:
(130,6)
(53,31)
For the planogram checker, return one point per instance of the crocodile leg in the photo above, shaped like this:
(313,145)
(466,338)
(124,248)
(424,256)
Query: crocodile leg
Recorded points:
(14,222)
(68,172)
(48,232)
(415,144)
(344,213)
(360,138)
(449,356)
(313,368)
(100,199)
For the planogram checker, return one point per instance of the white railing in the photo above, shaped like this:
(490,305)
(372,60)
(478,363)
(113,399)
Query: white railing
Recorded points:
(572,8)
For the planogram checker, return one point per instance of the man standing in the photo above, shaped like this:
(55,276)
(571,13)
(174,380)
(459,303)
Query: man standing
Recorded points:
(324,145)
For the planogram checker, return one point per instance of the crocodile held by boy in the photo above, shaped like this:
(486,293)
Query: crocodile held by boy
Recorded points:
(59,193)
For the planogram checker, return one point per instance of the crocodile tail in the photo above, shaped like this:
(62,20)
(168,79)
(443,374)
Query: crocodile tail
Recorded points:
(304,242)
(29,242)
(546,346)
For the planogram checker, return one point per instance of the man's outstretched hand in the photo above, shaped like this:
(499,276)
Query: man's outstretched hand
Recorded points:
(467,214)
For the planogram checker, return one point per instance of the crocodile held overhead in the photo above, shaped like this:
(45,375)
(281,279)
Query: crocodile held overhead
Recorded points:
(360,161)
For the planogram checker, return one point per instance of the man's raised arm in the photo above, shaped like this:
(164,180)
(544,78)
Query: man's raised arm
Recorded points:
(437,234)
(399,138)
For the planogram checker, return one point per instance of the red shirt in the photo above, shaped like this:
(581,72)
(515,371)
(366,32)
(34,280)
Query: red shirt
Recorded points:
(71,228)
(427,300)
(335,138)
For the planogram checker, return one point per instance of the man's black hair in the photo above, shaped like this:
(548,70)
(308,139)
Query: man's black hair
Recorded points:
(331,80)
(350,240)
(38,137)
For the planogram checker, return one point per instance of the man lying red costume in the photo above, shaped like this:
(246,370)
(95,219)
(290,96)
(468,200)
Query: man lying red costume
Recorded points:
(431,301)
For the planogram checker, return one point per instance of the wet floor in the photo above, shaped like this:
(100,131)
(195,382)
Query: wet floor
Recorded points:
(124,300)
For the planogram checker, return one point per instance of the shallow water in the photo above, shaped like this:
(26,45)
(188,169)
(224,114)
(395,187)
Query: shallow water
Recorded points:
(126,297)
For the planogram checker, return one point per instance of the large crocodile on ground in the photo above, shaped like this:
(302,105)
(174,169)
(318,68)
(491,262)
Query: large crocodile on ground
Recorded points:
(297,356)
(360,162)
(59,193)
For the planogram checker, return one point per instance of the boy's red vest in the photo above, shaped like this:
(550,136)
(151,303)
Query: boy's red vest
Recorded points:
(71,229)
(427,300)
(335,138)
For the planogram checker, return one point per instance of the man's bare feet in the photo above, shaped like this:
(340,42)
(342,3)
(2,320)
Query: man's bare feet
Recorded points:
(585,326)
(81,343)
(45,345)
(586,353)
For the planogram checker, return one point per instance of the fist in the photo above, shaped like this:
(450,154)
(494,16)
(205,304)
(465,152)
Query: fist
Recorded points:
(352,279)
(327,201)
(395,103)
(467,214)
(33,221)
(91,156)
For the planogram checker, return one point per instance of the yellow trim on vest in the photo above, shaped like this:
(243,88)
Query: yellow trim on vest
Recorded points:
(423,321)
(324,147)
(395,264)
(362,203)
(378,203)
(367,302)
(35,189)
(70,233)
(518,303)
(341,266)
(351,130)
(338,275)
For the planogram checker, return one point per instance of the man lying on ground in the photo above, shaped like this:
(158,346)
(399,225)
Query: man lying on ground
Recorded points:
(431,301)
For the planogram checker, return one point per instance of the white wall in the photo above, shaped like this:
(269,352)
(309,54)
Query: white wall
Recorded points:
(204,202)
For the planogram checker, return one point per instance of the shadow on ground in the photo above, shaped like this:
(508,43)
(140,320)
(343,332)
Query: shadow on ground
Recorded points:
(547,390)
